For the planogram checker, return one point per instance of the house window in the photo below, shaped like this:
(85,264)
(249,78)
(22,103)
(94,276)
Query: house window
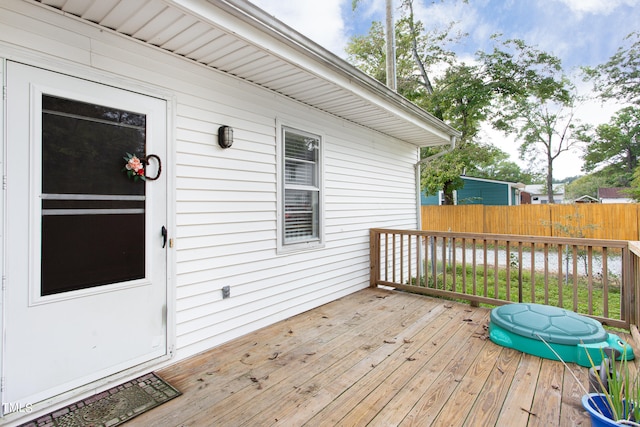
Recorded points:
(301,200)
(441,199)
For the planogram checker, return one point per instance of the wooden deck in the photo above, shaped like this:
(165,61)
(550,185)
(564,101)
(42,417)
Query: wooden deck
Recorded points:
(377,358)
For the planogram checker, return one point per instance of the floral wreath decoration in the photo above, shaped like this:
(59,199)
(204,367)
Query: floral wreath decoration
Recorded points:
(135,167)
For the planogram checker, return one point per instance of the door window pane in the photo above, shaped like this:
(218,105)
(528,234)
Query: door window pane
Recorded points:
(83,145)
(93,215)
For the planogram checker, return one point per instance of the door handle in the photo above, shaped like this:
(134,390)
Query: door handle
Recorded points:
(164,236)
(146,162)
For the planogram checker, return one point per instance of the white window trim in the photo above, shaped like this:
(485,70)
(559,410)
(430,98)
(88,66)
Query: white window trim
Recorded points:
(283,247)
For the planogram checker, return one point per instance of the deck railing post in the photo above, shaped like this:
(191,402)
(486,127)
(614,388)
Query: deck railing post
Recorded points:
(632,282)
(374,258)
(632,288)
(629,287)
(419,258)
(634,278)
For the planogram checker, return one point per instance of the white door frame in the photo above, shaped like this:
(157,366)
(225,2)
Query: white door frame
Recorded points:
(121,82)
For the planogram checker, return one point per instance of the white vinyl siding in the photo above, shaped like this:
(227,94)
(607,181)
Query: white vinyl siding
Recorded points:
(226,200)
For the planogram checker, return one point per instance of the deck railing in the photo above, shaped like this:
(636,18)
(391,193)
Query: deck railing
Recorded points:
(598,278)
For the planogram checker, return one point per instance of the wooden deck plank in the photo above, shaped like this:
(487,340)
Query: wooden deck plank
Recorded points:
(223,372)
(517,405)
(488,405)
(332,312)
(376,344)
(351,393)
(428,324)
(266,383)
(547,400)
(332,366)
(431,358)
(456,410)
(572,413)
(401,370)
(457,360)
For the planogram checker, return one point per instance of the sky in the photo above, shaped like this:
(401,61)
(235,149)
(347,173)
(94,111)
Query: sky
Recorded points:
(579,32)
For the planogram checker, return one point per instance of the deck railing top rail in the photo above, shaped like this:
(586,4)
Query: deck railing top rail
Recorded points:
(590,276)
(514,238)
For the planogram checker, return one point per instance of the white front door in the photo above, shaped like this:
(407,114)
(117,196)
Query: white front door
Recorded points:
(85,243)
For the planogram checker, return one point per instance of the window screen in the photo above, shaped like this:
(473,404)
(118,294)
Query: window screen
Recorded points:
(93,216)
(301,186)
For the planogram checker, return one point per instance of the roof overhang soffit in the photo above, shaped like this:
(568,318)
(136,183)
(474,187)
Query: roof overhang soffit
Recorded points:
(404,120)
(237,38)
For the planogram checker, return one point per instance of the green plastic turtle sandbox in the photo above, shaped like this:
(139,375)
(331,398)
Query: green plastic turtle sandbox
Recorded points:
(553,333)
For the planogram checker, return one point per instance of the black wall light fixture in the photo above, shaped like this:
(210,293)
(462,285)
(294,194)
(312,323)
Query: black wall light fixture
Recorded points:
(225,136)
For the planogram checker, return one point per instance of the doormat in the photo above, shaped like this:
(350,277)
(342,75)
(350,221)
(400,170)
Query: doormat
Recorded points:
(112,407)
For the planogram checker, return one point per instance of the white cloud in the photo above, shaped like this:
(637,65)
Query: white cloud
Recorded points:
(597,6)
(440,15)
(320,21)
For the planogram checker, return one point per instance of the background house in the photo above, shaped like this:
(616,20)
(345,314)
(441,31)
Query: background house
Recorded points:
(536,194)
(480,191)
(586,199)
(614,195)
(229,237)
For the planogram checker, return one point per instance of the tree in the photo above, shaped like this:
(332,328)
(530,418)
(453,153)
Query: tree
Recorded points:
(434,49)
(368,54)
(614,144)
(469,95)
(585,186)
(443,173)
(461,99)
(543,128)
(464,96)
(515,70)
(619,78)
(634,191)
(416,51)
(502,169)
(535,102)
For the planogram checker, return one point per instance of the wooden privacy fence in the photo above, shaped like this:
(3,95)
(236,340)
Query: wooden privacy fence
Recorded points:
(588,276)
(595,221)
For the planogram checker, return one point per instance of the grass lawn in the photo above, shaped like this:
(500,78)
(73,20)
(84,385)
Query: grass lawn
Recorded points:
(520,289)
